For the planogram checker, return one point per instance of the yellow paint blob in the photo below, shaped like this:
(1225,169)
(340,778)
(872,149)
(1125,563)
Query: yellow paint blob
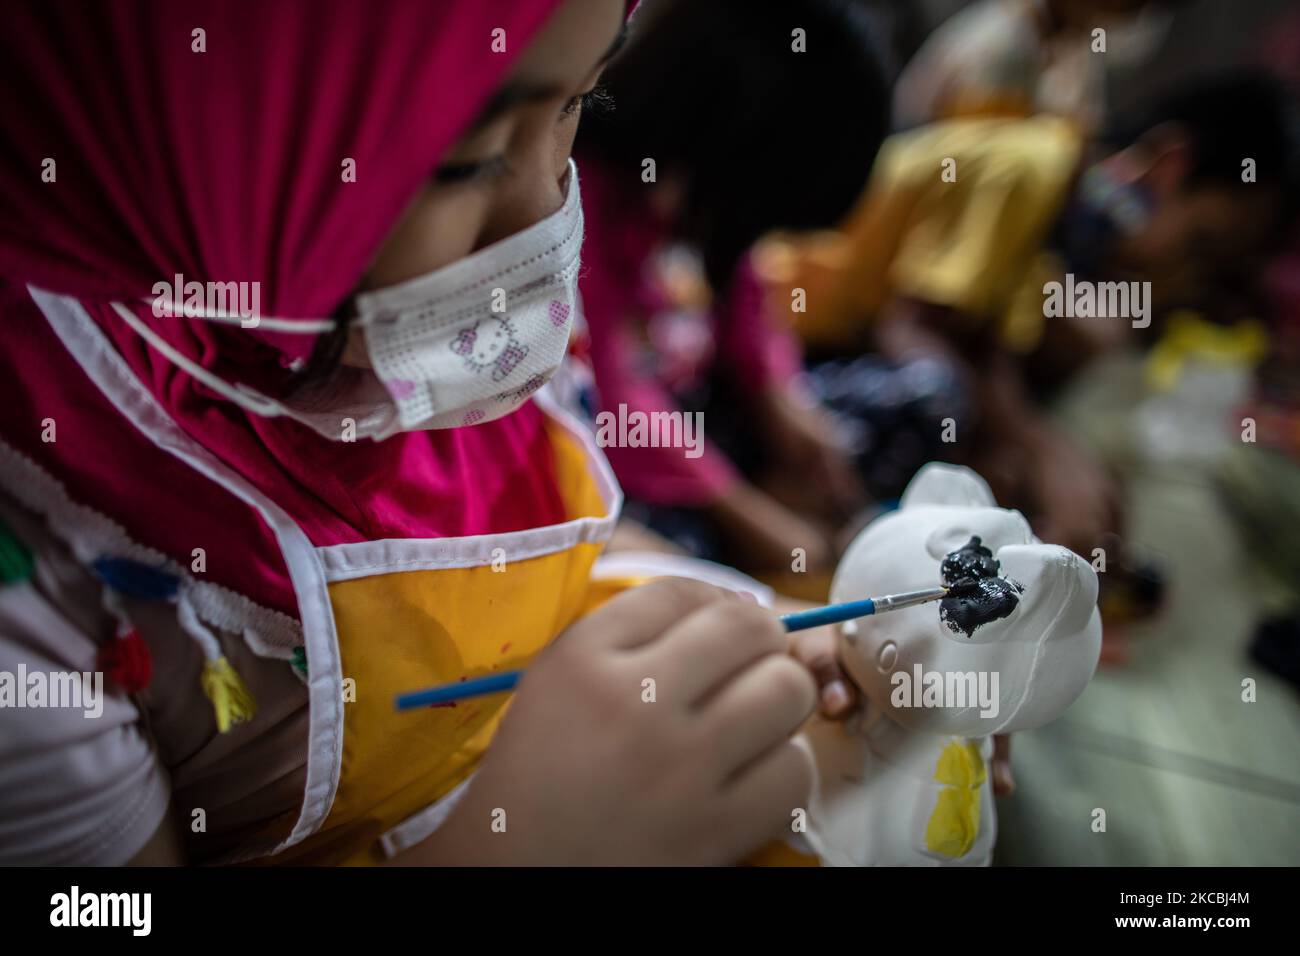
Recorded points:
(955,822)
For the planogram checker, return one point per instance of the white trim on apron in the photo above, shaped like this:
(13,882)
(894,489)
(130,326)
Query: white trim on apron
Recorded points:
(343,562)
(89,534)
(95,354)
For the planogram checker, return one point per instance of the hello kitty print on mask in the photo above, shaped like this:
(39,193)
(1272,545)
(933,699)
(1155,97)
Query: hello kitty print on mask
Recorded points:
(490,343)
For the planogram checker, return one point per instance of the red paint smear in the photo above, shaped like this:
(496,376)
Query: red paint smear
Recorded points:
(505,647)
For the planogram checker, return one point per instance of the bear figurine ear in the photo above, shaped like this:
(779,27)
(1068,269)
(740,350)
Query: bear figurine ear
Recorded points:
(941,484)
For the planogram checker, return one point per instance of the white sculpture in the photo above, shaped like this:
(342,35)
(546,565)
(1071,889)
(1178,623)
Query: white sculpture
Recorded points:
(905,782)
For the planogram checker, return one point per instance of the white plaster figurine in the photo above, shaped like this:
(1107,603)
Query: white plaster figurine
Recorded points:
(905,782)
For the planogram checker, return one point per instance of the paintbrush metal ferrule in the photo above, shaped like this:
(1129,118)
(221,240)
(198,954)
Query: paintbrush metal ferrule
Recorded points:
(849,610)
(893,602)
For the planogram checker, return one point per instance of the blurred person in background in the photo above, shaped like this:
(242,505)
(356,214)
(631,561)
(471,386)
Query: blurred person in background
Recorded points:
(749,129)
(1021,57)
(954,268)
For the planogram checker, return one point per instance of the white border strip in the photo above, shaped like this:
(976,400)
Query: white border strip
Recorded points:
(417,827)
(656,564)
(106,368)
(344,562)
(91,535)
(610,491)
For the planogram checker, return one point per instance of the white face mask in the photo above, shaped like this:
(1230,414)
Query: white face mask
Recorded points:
(463,344)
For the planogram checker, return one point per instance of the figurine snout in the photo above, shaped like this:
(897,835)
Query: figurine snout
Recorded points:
(1059,586)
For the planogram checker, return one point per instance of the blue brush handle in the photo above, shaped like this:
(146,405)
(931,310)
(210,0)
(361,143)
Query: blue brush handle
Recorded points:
(445,694)
(506,680)
(831,614)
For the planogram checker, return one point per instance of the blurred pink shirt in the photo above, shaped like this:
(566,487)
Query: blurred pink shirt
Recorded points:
(620,300)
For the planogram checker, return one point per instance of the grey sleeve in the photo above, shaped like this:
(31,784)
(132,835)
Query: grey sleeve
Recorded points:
(78,784)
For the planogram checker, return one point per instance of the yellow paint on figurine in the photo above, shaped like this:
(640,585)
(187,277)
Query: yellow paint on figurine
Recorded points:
(955,822)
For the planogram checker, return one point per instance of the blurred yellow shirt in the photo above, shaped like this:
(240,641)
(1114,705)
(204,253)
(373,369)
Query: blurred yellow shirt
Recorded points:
(955,214)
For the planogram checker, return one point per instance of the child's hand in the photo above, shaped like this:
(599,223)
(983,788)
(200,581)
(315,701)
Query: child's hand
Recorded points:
(1004,783)
(654,731)
(806,444)
(818,650)
(1077,500)
(763,533)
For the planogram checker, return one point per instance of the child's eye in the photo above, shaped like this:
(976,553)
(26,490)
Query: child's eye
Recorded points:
(473,171)
(596,99)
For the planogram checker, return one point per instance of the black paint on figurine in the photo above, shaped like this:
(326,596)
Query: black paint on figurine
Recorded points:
(976,594)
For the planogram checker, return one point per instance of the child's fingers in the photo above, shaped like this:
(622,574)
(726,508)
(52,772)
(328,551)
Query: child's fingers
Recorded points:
(640,615)
(762,706)
(767,792)
(818,650)
(1004,783)
(702,652)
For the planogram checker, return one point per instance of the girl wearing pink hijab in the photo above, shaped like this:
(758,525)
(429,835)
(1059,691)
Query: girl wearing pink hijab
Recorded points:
(281,285)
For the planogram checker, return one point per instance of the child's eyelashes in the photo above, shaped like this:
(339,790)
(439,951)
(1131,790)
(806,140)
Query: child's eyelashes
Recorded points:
(595,100)
(473,171)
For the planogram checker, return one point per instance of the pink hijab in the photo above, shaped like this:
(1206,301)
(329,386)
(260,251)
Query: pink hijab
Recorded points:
(225,164)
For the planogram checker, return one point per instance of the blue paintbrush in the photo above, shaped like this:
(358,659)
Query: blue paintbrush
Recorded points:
(798,621)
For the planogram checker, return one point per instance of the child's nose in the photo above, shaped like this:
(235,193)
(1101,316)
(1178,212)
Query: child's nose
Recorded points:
(531,196)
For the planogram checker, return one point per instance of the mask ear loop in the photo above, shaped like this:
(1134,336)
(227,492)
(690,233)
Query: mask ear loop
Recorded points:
(242,395)
(301,326)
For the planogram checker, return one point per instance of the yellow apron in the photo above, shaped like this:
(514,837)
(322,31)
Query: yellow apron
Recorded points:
(410,614)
